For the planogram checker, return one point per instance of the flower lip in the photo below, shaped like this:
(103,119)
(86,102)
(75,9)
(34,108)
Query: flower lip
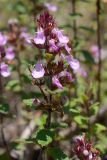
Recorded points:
(38,71)
(56,82)
(62,39)
(74,63)
(10,53)
(40,37)
(4,69)
(3,39)
(53,47)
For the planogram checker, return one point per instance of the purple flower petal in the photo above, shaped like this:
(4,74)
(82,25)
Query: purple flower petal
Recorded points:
(5,71)
(40,37)
(67,48)
(53,46)
(36,101)
(10,53)
(26,37)
(38,71)
(3,39)
(62,39)
(51,7)
(66,74)
(74,63)
(56,82)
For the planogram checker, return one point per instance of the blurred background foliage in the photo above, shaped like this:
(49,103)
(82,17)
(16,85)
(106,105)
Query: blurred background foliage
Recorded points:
(19,92)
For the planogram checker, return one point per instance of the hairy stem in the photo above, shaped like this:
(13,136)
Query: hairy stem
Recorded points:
(48,122)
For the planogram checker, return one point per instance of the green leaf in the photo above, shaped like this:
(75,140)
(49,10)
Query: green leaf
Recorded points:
(23,141)
(94,108)
(4,108)
(85,28)
(4,156)
(42,121)
(86,1)
(75,16)
(65,26)
(98,128)
(57,154)
(25,78)
(13,85)
(88,57)
(20,7)
(59,125)
(102,143)
(81,121)
(28,102)
(44,137)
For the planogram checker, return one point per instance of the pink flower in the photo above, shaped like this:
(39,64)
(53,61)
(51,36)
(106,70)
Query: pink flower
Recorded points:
(51,7)
(10,53)
(62,39)
(66,74)
(4,69)
(53,47)
(36,101)
(56,82)
(57,78)
(3,39)
(74,63)
(40,37)
(38,71)
(67,48)
(84,149)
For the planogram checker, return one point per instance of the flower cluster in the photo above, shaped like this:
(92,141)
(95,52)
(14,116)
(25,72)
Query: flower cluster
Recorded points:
(60,63)
(6,54)
(17,34)
(84,149)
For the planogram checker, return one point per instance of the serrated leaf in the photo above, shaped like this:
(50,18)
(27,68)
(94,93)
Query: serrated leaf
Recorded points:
(44,137)
(57,154)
